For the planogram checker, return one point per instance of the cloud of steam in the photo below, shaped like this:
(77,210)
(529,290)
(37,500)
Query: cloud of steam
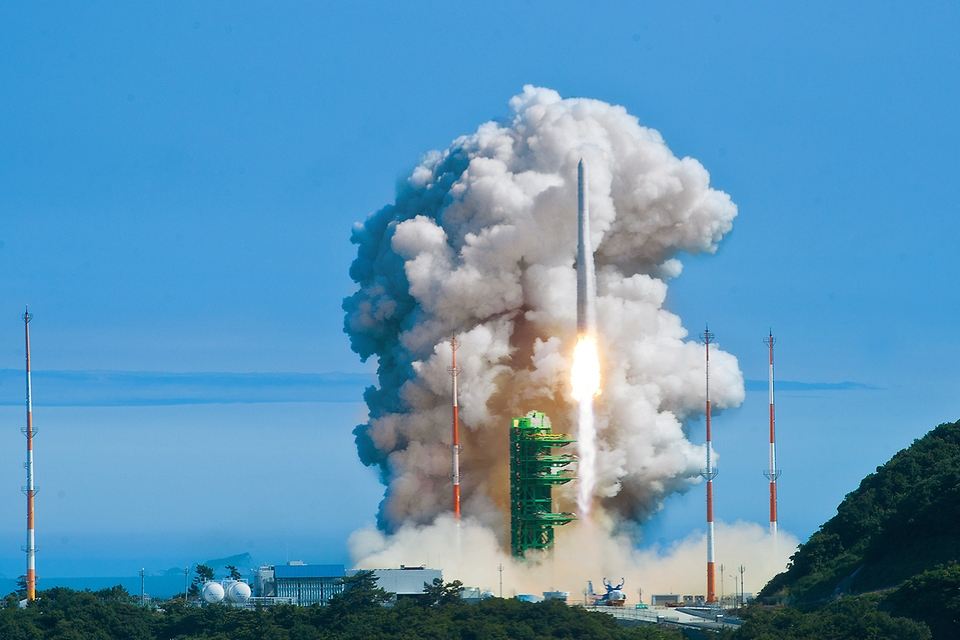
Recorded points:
(481,241)
(679,568)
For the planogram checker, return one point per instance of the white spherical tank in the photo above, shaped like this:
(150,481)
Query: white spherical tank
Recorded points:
(238,592)
(212,592)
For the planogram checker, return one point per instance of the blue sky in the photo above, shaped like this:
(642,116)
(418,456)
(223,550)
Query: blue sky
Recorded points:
(178,183)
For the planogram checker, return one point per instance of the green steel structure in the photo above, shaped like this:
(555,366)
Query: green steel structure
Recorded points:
(534,470)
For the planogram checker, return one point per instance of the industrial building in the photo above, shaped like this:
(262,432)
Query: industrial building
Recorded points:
(305,584)
(405,582)
(534,470)
(299,583)
(665,599)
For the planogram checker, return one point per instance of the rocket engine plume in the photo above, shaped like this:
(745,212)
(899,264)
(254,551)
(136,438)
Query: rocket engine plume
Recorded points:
(476,243)
(585,372)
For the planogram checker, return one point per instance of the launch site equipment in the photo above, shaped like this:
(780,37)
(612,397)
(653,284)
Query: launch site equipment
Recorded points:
(534,470)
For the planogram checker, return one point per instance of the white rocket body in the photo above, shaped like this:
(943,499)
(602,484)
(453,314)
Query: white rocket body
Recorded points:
(586,277)
(586,335)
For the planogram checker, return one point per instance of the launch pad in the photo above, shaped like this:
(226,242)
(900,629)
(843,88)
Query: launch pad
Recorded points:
(534,470)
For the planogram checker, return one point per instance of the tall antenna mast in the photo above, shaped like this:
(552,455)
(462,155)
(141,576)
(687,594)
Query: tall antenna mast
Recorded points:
(773,473)
(455,372)
(709,473)
(30,547)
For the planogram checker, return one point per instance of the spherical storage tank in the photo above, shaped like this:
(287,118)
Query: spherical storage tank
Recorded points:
(238,592)
(212,592)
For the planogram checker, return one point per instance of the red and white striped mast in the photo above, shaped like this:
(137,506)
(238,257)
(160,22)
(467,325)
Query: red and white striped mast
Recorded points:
(30,547)
(773,473)
(455,372)
(709,473)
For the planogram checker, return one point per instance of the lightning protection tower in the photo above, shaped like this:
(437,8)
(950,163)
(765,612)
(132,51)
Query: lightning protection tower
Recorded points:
(773,473)
(709,473)
(31,547)
(455,372)
(534,470)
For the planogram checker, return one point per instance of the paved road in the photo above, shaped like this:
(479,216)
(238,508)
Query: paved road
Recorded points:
(681,617)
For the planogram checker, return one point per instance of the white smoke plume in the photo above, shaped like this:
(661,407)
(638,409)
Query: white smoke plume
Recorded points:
(481,241)
(679,568)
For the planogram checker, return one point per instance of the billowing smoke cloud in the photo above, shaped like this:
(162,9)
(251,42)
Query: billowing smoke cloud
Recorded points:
(678,568)
(481,242)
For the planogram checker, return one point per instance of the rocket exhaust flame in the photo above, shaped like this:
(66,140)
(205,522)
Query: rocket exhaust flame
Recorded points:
(585,374)
(585,379)
(587,459)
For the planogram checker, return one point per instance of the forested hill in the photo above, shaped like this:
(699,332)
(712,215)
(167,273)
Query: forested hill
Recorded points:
(902,521)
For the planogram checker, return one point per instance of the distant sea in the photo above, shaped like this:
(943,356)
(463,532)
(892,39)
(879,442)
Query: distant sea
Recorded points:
(156,587)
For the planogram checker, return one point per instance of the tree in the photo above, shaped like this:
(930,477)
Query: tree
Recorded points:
(204,574)
(360,591)
(441,593)
(933,597)
(234,572)
(115,594)
(851,618)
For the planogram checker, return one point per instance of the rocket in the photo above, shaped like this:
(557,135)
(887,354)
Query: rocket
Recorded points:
(586,278)
(585,373)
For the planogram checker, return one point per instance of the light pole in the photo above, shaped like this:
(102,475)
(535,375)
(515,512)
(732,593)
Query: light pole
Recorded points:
(186,580)
(742,594)
(501,579)
(142,594)
(721,585)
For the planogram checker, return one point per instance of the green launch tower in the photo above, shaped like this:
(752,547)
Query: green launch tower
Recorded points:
(534,470)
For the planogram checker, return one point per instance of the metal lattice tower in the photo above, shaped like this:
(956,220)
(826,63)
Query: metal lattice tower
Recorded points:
(709,473)
(534,470)
(29,489)
(455,371)
(773,473)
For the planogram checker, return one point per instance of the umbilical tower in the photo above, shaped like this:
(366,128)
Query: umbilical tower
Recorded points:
(534,470)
